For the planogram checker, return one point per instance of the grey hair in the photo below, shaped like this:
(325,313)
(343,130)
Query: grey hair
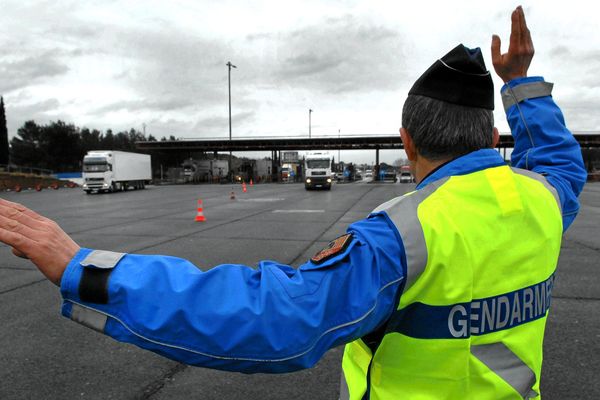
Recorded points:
(442,130)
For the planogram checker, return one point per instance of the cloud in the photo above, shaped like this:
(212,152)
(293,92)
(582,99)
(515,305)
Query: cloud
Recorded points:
(221,123)
(560,52)
(145,105)
(164,64)
(31,69)
(41,112)
(336,55)
(39,107)
(214,126)
(170,63)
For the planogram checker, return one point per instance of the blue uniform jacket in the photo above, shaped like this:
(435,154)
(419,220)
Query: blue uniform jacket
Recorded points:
(276,318)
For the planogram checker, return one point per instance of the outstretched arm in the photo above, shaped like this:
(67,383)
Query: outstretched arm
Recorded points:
(543,143)
(271,319)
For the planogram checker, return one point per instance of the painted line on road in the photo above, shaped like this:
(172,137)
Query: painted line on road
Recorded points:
(264,200)
(297,211)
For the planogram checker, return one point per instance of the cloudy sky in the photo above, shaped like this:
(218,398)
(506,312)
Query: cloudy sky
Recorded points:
(123,64)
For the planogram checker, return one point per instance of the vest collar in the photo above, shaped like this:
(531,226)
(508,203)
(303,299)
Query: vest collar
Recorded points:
(472,162)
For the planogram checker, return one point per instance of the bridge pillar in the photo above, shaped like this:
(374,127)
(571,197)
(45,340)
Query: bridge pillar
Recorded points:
(274,166)
(376,169)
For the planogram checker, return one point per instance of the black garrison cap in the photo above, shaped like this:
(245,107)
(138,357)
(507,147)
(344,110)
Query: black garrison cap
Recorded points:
(460,77)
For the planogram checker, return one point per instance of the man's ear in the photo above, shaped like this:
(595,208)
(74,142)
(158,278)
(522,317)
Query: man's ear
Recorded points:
(496,138)
(409,145)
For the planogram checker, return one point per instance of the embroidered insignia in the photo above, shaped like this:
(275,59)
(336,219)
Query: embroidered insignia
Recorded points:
(332,249)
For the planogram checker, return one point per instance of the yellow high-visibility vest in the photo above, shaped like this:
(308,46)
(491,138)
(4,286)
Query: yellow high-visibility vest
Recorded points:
(481,251)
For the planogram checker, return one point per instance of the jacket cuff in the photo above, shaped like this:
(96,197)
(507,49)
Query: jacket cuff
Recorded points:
(84,287)
(86,276)
(521,89)
(69,283)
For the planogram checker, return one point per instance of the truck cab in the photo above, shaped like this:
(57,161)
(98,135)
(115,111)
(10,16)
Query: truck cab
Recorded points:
(97,172)
(111,171)
(286,174)
(317,171)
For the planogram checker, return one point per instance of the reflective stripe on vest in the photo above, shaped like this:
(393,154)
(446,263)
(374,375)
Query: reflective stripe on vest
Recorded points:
(403,213)
(506,364)
(481,251)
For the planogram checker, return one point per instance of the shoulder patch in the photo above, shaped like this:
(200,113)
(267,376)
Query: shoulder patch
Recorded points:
(334,247)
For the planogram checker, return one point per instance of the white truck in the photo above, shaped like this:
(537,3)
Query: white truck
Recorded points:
(112,171)
(317,171)
(405,174)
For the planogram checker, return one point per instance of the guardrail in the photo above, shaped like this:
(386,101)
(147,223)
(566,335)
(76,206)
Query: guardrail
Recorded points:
(25,170)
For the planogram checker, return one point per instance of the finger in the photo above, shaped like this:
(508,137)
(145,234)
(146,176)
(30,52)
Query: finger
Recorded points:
(20,218)
(515,32)
(496,55)
(20,213)
(522,22)
(12,225)
(19,253)
(526,34)
(9,205)
(21,208)
(16,240)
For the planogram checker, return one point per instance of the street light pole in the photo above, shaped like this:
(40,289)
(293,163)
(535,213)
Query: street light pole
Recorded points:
(229,66)
(309,122)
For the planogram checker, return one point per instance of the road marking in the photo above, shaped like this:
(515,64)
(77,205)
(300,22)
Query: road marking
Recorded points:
(297,211)
(264,200)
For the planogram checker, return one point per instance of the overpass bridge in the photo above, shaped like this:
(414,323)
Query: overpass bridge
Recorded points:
(277,143)
(184,148)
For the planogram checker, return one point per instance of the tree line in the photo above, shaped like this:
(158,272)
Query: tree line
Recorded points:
(60,146)
(3,135)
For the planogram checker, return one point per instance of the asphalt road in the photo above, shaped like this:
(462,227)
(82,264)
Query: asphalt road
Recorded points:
(45,356)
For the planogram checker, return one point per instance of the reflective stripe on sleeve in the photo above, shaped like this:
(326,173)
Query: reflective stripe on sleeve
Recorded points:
(517,94)
(88,317)
(504,363)
(542,179)
(102,259)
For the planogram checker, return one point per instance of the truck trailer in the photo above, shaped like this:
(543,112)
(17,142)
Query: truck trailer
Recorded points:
(112,171)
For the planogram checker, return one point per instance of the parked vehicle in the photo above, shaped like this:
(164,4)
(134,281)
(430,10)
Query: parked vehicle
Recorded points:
(111,171)
(317,171)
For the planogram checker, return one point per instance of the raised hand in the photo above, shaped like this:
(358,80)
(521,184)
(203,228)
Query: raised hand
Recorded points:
(514,63)
(37,238)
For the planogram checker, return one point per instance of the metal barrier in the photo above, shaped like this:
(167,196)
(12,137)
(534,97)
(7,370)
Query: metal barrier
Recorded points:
(25,170)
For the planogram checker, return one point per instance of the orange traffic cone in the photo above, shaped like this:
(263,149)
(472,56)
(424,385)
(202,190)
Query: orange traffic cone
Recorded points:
(244,187)
(251,183)
(200,215)
(232,196)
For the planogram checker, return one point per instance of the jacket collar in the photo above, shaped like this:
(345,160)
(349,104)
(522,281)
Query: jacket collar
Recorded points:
(472,162)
